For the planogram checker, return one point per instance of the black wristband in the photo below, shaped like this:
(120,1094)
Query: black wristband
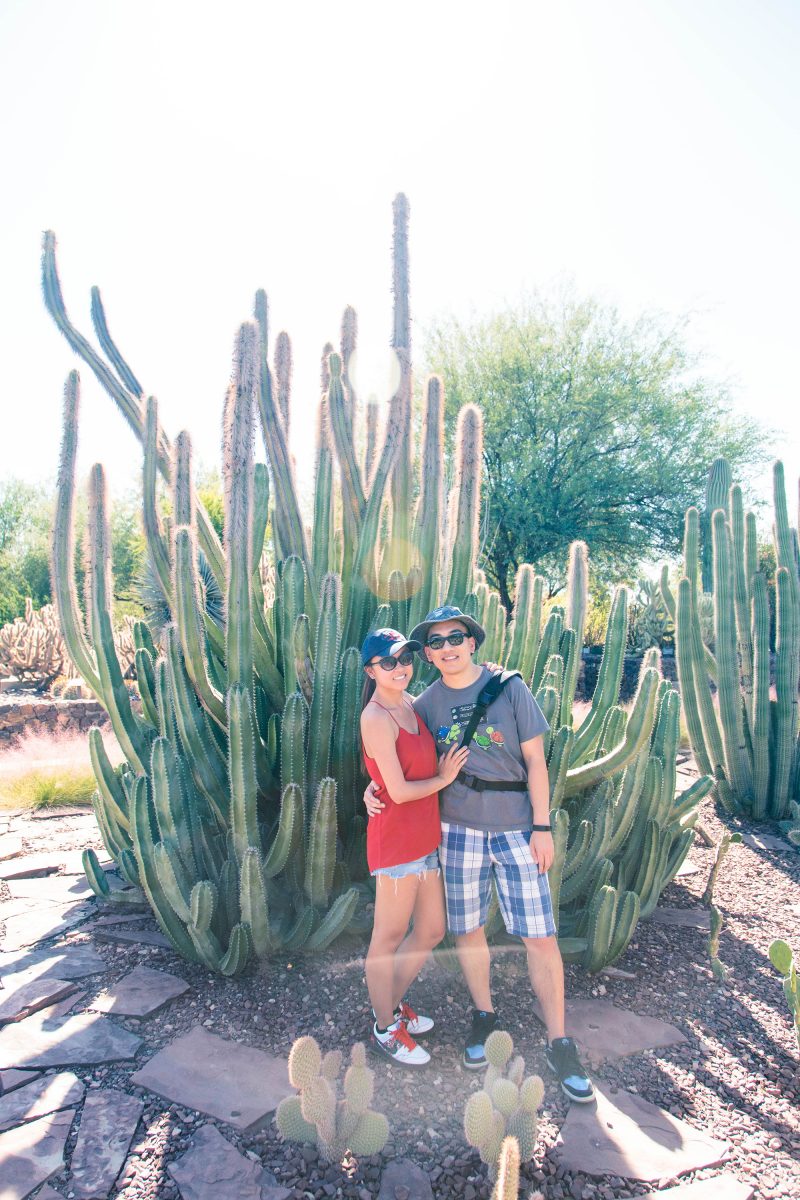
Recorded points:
(541,829)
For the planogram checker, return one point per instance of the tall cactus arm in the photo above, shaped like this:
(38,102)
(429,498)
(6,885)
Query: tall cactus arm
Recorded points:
(129,405)
(238,481)
(690,684)
(761,702)
(142,830)
(639,728)
(401,344)
(206,760)
(353,500)
(741,597)
(737,762)
(64,592)
(289,834)
(609,678)
(787,666)
(577,603)
(109,346)
(427,517)
(321,852)
(469,456)
(287,516)
(108,782)
(321,552)
(326,669)
(157,549)
(242,765)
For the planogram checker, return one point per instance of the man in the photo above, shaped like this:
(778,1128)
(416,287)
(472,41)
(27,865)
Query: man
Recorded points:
(501,832)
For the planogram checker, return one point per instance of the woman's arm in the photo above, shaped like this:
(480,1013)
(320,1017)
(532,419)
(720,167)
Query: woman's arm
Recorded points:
(378,734)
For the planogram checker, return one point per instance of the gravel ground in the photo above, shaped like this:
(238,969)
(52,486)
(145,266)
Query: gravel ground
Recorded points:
(736,1076)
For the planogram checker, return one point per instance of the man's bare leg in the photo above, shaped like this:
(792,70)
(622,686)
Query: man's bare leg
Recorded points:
(473,955)
(546,971)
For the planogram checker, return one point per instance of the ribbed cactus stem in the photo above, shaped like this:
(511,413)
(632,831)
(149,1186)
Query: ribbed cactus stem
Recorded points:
(352,491)
(65,593)
(371,441)
(348,342)
(464,538)
(737,763)
(321,550)
(741,598)
(326,669)
(787,665)
(761,700)
(427,520)
(401,343)
(577,604)
(283,377)
(238,482)
(718,487)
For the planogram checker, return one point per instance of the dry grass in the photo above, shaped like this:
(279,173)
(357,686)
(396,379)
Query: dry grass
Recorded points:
(43,770)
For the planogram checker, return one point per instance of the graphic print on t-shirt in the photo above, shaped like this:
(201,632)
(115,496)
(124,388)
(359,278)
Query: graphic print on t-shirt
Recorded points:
(486,738)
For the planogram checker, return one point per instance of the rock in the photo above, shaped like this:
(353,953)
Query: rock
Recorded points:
(686,918)
(212,1168)
(235,1083)
(624,1135)
(108,1123)
(48,1193)
(29,866)
(81,1039)
(146,937)
(32,1153)
(687,867)
(11,1080)
(10,846)
(404,1180)
(41,923)
(47,1094)
(64,1006)
(607,1032)
(142,992)
(55,889)
(62,962)
(764,841)
(721,1187)
(24,996)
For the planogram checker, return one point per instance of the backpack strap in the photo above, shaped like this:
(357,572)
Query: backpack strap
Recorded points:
(494,686)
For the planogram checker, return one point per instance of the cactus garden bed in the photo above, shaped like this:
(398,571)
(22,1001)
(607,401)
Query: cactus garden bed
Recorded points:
(734,1076)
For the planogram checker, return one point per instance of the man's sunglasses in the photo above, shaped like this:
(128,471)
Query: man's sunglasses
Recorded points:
(390,661)
(453,639)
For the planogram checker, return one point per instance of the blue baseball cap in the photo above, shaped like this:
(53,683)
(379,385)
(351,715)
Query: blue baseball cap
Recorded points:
(384,642)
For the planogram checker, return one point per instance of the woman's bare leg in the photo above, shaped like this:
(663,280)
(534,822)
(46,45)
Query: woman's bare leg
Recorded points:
(428,931)
(394,904)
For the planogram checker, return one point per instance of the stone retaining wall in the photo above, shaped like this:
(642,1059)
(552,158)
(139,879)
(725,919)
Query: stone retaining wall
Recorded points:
(43,714)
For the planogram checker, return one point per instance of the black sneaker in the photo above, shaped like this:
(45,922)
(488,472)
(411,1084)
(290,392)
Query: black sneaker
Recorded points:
(562,1059)
(482,1025)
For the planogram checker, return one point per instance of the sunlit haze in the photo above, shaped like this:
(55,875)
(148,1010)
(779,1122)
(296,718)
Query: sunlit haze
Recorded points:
(187,154)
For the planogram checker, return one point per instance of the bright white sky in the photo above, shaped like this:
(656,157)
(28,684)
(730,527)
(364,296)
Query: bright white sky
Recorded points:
(188,153)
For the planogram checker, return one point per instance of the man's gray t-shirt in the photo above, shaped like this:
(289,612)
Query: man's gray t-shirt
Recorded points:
(494,752)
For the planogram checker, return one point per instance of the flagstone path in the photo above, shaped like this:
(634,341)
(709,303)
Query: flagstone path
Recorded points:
(133,1058)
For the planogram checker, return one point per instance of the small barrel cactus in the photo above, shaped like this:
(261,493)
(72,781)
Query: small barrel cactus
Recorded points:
(316,1115)
(506,1106)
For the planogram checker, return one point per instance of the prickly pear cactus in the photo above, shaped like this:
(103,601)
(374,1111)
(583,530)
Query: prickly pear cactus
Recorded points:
(318,1115)
(506,1106)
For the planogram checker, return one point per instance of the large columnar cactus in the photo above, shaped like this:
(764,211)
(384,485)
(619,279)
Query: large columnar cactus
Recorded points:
(238,809)
(506,1105)
(749,742)
(317,1116)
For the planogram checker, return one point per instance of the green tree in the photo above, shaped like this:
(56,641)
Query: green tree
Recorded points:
(593,429)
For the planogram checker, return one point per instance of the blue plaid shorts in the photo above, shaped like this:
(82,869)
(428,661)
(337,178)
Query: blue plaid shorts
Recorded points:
(469,858)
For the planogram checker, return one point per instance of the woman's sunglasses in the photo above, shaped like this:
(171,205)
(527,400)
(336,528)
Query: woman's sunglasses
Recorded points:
(390,661)
(454,639)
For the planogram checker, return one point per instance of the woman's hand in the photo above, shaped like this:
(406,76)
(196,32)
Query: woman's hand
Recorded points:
(493,666)
(371,802)
(451,763)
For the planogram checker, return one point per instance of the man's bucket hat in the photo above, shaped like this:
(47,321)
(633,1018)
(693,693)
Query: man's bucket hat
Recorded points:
(384,643)
(448,612)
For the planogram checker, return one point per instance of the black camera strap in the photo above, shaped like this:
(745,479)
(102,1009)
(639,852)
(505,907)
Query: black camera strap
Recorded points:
(495,685)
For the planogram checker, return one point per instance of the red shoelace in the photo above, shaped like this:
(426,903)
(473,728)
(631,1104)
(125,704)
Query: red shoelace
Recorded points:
(401,1034)
(407,1013)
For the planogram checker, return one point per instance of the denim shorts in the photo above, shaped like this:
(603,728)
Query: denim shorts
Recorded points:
(428,862)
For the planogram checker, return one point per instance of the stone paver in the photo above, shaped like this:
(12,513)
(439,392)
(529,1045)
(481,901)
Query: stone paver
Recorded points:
(142,992)
(10,846)
(29,866)
(721,1187)
(235,1083)
(108,1123)
(625,1135)
(212,1168)
(47,1094)
(48,1193)
(144,937)
(687,867)
(23,996)
(41,923)
(11,1080)
(605,1031)
(56,889)
(64,1006)
(81,1039)
(765,841)
(60,962)
(32,1153)
(686,918)
(406,1175)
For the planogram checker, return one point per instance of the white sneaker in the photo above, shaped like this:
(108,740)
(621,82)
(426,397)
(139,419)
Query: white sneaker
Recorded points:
(416,1024)
(397,1043)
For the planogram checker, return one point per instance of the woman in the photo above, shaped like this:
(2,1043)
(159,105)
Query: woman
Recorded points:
(402,840)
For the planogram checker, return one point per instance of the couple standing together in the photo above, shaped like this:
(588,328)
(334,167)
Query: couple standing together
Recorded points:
(494,822)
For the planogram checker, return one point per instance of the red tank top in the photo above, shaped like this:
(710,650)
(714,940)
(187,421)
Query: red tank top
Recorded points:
(401,833)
